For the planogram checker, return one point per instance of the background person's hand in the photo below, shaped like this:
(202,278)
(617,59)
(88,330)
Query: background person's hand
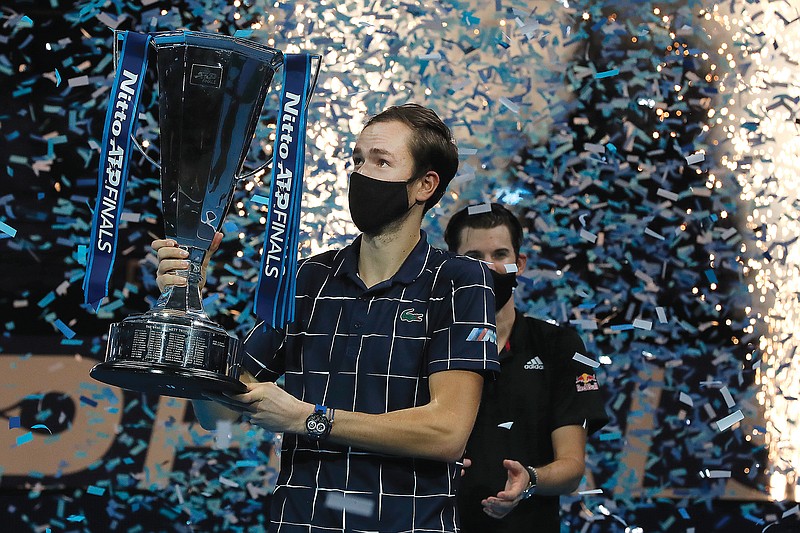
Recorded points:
(171,259)
(504,502)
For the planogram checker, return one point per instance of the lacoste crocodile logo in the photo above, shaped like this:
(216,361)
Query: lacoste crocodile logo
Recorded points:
(408,315)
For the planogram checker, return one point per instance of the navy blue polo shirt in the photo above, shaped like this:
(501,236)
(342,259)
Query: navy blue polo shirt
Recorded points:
(372,351)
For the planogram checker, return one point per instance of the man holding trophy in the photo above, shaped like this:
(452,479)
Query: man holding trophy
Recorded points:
(383,345)
(384,362)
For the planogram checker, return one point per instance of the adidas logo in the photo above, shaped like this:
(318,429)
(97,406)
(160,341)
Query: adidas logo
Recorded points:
(534,364)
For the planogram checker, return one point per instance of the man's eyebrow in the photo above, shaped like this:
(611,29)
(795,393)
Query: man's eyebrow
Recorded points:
(379,151)
(374,151)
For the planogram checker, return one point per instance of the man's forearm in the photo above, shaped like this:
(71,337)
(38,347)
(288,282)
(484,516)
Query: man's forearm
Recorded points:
(562,476)
(416,432)
(438,430)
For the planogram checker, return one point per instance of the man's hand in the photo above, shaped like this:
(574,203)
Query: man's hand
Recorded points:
(504,502)
(466,463)
(274,409)
(171,258)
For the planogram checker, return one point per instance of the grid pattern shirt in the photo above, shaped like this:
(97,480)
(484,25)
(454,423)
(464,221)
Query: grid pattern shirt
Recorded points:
(372,351)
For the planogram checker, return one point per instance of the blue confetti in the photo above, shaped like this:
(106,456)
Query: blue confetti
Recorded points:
(606,74)
(8,230)
(25,437)
(63,328)
(95,491)
(88,401)
(13,422)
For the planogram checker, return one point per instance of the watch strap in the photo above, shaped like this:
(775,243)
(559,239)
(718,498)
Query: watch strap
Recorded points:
(530,490)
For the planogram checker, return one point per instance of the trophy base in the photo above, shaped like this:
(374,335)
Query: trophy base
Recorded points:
(165,380)
(171,354)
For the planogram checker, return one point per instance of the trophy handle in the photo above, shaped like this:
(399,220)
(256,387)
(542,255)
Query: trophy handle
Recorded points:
(115,55)
(315,59)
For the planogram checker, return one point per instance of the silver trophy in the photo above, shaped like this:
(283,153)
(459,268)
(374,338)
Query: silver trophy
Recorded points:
(211,92)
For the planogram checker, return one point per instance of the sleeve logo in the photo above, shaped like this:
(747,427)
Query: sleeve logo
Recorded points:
(482,335)
(586,382)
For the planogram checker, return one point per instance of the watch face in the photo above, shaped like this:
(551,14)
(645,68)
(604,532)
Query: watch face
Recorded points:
(317,425)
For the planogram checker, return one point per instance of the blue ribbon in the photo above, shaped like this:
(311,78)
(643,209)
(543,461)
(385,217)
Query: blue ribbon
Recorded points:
(275,293)
(121,118)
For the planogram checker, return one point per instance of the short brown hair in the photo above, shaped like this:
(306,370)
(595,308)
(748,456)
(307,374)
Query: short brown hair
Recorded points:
(431,145)
(498,216)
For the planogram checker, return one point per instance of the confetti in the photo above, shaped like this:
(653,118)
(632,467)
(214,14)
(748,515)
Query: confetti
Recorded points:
(480,208)
(606,74)
(585,360)
(728,421)
(95,491)
(350,503)
(24,438)
(63,328)
(695,158)
(8,230)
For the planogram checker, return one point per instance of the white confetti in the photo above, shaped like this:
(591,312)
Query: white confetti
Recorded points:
(514,108)
(728,421)
(727,396)
(588,236)
(585,360)
(695,158)
(685,398)
(350,503)
(669,195)
(480,208)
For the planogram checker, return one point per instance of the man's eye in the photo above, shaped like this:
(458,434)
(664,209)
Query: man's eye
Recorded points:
(383,163)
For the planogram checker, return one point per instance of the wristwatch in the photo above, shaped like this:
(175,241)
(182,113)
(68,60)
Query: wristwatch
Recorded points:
(318,425)
(530,490)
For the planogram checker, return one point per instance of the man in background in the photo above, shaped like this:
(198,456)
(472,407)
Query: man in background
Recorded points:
(529,440)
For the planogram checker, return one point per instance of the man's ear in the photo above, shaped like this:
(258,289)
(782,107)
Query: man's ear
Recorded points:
(522,263)
(426,186)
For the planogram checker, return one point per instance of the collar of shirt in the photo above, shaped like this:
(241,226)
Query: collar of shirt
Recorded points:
(409,271)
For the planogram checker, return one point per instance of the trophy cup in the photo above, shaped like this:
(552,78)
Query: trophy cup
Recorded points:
(211,92)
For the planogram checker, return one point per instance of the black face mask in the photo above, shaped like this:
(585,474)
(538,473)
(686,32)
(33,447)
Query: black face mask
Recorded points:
(503,288)
(374,204)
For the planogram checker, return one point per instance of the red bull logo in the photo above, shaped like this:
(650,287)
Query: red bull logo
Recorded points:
(586,382)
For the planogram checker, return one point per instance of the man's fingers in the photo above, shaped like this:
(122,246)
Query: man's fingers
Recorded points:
(250,396)
(168,266)
(171,252)
(507,496)
(166,280)
(215,243)
(157,244)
